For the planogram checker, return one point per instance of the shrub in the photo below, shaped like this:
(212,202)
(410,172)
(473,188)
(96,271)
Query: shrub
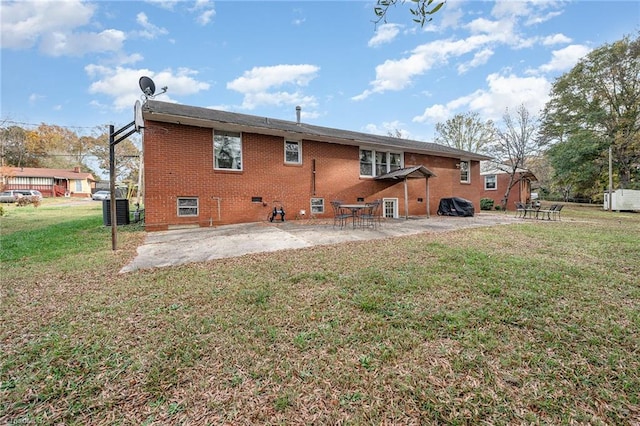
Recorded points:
(486,204)
(25,201)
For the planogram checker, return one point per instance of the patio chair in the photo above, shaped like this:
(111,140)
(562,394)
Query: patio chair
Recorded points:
(556,213)
(340,214)
(548,212)
(370,216)
(520,209)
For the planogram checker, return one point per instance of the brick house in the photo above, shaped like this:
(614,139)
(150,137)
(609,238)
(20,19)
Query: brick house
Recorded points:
(495,179)
(50,182)
(205,167)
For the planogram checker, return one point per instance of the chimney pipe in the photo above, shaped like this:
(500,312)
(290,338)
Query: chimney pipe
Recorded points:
(298,109)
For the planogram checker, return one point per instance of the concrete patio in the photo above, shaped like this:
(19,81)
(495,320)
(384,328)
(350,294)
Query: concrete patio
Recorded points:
(181,246)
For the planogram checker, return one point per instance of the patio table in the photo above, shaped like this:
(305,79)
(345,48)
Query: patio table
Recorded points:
(355,210)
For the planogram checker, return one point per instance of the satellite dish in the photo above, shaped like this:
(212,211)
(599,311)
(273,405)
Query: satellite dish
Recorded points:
(147,86)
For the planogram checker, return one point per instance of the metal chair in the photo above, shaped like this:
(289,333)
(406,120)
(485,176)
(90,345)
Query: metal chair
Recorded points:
(370,216)
(340,215)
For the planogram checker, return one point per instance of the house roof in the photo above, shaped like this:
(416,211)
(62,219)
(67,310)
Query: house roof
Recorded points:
(407,172)
(205,117)
(493,168)
(48,173)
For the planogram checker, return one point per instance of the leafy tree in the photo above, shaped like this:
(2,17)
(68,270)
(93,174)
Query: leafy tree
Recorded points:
(577,165)
(597,104)
(13,147)
(127,156)
(466,132)
(422,10)
(516,142)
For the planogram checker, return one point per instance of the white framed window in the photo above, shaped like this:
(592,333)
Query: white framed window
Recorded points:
(465,176)
(227,150)
(490,182)
(376,163)
(317,205)
(188,206)
(292,152)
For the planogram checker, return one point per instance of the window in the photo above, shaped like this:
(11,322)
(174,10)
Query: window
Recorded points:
(317,205)
(376,163)
(490,182)
(366,162)
(395,161)
(187,206)
(78,185)
(381,163)
(292,152)
(227,150)
(464,172)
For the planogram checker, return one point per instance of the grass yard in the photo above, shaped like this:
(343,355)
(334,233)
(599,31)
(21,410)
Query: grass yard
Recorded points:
(533,323)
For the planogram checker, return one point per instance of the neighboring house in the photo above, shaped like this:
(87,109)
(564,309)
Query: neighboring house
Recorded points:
(495,179)
(205,167)
(51,182)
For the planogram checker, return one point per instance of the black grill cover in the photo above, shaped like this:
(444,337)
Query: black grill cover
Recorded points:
(455,206)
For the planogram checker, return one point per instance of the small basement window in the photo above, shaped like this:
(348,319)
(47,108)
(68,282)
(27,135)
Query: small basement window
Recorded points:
(256,199)
(187,206)
(317,205)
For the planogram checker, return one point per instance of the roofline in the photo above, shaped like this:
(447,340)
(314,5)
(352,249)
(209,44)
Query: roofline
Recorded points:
(210,118)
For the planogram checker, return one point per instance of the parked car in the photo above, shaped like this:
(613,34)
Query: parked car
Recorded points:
(13,195)
(101,195)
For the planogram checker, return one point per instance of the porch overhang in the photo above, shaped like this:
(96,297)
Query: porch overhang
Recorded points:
(406,174)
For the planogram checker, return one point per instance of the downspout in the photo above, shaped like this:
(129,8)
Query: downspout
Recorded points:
(406,200)
(428,203)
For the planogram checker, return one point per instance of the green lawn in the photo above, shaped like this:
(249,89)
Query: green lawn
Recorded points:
(533,323)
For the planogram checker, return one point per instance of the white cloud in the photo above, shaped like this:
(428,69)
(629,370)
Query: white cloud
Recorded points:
(555,39)
(565,59)
(78,44)
(385,33)
(121,84)
(398,74)
(386,128)
(149,30)
(479,58)
(503,91)
(53,26)
(24,23)
(259,85)
(205,11)
(434,114)
(35,97)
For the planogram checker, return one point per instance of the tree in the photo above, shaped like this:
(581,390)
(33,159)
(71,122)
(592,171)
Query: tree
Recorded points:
(466,132)
(597,104)
(127,156)
(422,10)
(514,144)
(13,146)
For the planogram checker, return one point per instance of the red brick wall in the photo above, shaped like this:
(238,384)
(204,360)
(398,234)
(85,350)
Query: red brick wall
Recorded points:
(179,163)
(521,191)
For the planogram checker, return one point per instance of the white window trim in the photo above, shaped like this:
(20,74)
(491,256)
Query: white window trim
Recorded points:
(321,205)
(468,171)
(213,146)
(197,206)
(495,180)
(373,160)
(299,151)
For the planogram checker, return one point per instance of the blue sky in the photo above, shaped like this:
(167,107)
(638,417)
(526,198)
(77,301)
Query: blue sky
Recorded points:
(77,64)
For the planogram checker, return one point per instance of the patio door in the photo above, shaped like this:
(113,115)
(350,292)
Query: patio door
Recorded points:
(390,208)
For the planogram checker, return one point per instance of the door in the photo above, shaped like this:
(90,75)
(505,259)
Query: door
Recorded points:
(390,208)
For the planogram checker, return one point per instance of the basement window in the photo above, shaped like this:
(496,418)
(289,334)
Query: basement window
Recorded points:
(188,206)
(317,205)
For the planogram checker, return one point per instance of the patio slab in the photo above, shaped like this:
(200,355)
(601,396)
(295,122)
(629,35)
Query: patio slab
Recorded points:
(181,246)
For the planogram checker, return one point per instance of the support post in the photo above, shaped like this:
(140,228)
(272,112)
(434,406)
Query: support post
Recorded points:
(112,176)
